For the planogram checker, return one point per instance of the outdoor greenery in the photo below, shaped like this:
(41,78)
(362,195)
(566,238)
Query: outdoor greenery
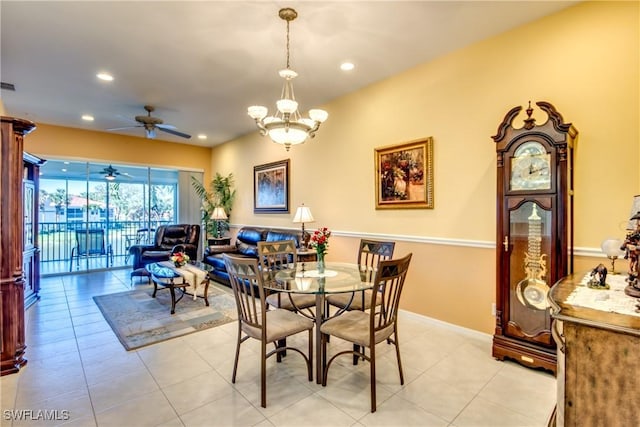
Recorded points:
(219,193)
(126,201)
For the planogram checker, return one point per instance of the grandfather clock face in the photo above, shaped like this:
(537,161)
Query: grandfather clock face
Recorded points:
(530,167)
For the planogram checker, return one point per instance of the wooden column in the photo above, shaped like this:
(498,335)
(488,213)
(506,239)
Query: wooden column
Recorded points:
(11,244)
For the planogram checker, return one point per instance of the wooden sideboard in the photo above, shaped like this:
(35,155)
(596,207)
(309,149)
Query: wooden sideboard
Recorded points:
(598,361)
(15,175)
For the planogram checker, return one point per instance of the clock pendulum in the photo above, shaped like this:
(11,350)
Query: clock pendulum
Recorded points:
(532,291)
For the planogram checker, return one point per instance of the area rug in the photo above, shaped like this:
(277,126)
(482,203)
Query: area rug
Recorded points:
(139,320)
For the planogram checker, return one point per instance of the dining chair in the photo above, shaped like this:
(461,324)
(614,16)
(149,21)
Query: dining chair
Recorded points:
(281,255)
(366,329)
(255,321)
(370,253)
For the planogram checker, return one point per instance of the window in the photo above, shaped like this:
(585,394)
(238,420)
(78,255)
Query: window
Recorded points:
(120,199)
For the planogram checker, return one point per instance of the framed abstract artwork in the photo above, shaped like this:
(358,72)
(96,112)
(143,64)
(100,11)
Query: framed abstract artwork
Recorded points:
(271,187)
(404,175)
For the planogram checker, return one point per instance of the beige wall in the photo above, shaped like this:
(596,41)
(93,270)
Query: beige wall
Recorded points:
(584,60)
(59,142)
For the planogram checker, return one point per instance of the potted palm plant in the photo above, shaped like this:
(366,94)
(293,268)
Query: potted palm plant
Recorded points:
(219,194)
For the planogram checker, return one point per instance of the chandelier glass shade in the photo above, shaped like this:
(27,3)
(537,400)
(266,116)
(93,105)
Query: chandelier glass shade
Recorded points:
(287,127)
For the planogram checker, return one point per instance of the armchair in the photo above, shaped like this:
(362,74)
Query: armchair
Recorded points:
(168,239)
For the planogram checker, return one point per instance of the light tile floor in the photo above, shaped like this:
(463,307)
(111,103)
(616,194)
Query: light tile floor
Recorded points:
(76,364)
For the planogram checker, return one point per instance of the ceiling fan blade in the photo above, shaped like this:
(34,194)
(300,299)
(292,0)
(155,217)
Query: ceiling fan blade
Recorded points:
(163,126)
(175,132)
(125,127)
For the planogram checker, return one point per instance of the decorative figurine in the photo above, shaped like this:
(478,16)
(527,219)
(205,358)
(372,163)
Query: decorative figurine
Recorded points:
(631,248)
(598,278)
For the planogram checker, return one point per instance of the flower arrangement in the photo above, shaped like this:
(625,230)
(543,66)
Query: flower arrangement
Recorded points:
(179,259)
(320,240)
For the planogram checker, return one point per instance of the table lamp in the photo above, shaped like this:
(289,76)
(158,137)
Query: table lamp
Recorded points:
(218,215)
(611,248)
(303,214)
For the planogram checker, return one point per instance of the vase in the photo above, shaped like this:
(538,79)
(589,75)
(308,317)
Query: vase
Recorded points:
(178,264)
(320,262)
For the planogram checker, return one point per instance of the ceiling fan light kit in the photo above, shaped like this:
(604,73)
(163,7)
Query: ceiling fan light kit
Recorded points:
(287,127)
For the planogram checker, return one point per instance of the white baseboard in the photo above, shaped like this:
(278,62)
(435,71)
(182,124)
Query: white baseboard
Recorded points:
(455,328)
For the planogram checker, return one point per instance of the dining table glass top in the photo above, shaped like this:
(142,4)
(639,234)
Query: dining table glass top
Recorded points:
(337,278)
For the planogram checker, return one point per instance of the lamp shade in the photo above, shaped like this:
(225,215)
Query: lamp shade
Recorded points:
(611,247)
(303,214)
(219,213)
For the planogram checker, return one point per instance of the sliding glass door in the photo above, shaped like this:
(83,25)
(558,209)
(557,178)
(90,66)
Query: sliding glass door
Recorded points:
(91,213)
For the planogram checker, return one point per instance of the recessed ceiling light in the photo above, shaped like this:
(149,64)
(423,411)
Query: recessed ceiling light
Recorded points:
(87,117)
(347,66)
(105,76)
(202,136)
(64,170)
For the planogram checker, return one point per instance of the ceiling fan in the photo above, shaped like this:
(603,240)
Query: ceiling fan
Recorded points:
(150,124)
(110,173)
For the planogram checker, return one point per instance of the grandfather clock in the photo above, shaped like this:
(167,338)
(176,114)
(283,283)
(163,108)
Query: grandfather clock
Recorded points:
(534,242)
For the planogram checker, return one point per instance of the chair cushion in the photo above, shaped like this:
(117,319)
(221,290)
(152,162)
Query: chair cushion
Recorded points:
(280,324)
(353,326)
(278,235)
(247,249)
(155,256)
(342,300)
(250,235)
(216,261)
(172,235)
(283,300)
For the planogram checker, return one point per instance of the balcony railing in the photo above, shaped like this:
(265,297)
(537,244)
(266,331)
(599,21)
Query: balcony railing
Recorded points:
(58,239)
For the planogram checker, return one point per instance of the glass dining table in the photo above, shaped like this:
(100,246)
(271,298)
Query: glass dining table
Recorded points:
(336,278)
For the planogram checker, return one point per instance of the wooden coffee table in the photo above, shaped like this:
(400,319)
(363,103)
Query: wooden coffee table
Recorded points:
(169,277)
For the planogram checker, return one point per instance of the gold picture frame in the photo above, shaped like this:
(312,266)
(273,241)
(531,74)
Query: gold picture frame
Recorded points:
(404,175)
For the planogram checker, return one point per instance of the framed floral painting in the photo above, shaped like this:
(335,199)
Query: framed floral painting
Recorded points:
(271,187)
(404,175)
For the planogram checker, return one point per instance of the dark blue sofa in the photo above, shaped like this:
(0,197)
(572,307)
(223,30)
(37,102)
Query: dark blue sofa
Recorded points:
(246,245)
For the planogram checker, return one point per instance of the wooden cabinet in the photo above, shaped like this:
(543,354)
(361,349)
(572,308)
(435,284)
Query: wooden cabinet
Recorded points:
(597,358)
(12,247)
(534,231)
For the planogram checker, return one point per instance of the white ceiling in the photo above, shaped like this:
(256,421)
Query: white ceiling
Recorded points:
(202,63)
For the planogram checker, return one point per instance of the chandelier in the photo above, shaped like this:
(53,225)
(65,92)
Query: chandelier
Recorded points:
(287,126)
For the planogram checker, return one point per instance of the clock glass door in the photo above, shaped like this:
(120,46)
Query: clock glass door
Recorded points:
(530,237)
